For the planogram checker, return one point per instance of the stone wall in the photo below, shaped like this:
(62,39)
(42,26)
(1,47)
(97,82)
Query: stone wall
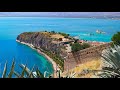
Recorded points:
(73,59)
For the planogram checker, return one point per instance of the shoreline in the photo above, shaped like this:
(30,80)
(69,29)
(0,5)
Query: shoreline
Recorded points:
(55,67)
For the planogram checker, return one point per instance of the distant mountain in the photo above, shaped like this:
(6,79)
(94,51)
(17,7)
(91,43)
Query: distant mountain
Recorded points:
(63,14)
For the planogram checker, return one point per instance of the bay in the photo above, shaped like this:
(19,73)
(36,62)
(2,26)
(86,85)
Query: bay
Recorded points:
(11,27)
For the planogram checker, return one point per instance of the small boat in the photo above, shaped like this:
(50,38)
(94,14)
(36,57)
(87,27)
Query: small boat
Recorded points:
(100,32)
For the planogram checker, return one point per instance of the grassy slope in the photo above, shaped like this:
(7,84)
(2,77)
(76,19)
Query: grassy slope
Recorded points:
(92,65)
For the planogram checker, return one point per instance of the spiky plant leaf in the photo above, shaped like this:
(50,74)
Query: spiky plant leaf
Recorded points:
(31,73)
(17,74)
(59,75)
(4,71)
(111,57)
(45,74)
(23,72)
(27,71)
(72,75)
(11,70)
(39,74)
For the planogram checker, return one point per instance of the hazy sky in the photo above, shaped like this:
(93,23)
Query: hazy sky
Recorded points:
(75,14)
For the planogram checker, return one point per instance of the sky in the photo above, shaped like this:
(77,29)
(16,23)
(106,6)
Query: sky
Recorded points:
(62,14)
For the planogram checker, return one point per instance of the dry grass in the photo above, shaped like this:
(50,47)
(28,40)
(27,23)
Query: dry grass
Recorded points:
(92,65)
(57,36)
(46,33)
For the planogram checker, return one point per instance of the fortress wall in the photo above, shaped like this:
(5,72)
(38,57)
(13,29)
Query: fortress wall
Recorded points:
(73,59)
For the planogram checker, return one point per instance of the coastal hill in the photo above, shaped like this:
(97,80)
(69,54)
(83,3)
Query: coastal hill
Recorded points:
(66,51)
(50,43)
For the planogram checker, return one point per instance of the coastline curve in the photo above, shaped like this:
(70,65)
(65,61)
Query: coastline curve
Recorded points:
(55,67)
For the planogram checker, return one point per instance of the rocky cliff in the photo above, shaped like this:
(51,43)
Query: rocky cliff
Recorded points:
(43,41)
(39,40)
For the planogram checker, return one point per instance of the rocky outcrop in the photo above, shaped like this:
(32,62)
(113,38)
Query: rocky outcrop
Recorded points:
(40,40)
(44,42)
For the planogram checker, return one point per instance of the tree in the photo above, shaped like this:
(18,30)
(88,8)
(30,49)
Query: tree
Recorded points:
(76,47)
(53,32)
(60,39)
(116,38)
(86,45)
(66,35)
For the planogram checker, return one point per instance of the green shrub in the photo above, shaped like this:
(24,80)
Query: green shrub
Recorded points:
(116,38)
(85,45)
(76,47)
(53,32)
(64,34)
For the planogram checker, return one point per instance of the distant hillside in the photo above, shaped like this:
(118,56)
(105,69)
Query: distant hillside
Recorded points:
(63,14)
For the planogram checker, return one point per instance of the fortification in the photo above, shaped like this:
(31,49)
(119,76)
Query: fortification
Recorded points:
(73,59)
(54,47)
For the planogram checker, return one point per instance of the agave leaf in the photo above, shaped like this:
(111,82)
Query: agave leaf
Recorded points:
(107,74)
(31,73)
(112,56)
(12,70)
(39,74)
(59,74)
(45,73)
(72,75)
(17,74)
(23,72)
(4,71)
(27,71)
(107,57)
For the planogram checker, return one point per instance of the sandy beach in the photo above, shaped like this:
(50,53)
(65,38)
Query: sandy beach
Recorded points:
(55,67)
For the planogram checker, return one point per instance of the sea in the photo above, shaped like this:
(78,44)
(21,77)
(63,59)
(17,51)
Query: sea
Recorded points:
(11,27)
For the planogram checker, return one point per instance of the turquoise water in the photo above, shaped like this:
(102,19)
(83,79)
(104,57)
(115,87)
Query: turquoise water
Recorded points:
(10,27)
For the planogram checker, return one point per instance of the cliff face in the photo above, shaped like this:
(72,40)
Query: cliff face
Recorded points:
(40,40)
